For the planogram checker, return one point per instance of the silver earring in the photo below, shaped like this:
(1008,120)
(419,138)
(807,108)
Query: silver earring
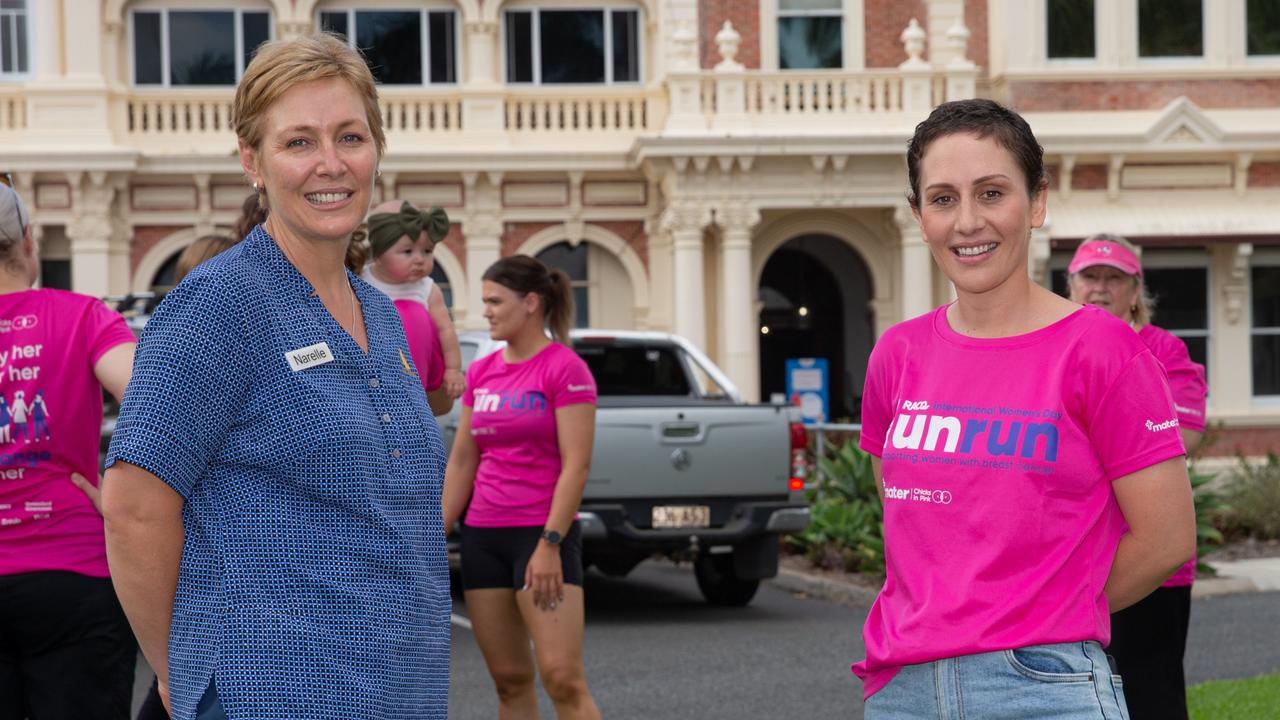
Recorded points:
(255,186)
(378,172)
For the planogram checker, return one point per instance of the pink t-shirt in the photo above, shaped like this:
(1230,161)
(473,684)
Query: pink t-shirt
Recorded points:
(998,456)
(420,329)
(51,426)
(1187,383)
(513,422)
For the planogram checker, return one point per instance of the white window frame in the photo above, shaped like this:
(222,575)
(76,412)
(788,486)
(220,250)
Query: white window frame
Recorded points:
(28,11)
(1206,20)
(1262,257)
(853,51)
(238,24)
(1071,62)
(536,43)
(425,30)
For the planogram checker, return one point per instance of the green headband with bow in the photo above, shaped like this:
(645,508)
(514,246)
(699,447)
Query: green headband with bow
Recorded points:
(385,229)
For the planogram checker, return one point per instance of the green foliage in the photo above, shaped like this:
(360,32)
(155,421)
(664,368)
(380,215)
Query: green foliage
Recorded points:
(1210,506)
(846,530)
(1257,697)
(1253,492)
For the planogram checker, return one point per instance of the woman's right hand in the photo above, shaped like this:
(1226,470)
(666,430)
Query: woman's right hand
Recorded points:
(162,689)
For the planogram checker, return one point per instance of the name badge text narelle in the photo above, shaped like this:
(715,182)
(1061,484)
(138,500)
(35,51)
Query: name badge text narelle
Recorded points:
(309,356)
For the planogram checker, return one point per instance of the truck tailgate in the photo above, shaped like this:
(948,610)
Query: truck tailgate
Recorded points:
(689,451)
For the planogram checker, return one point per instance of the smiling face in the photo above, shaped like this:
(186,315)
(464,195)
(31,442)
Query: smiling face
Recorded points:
(1109,288)
(975,212)
(507,310)
(407,261)
(316,161)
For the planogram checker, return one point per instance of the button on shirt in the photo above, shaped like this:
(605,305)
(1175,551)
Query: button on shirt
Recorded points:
(314,580)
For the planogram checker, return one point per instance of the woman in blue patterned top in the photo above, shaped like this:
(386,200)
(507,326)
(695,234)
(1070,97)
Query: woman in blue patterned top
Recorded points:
(273,497)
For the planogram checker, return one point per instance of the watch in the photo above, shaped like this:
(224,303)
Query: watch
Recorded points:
(552,537)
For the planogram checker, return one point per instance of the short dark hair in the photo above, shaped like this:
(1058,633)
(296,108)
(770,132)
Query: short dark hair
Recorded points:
(984,118)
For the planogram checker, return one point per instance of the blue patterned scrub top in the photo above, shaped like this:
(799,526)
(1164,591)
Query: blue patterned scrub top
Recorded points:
(314,581)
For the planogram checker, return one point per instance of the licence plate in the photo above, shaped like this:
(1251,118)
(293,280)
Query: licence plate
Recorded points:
(681,516)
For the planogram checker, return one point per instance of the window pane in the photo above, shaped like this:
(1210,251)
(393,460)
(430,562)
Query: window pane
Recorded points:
(810,5)
(1266,364)
(1182,297)
(1266,297)
(519,47)
(1170,28)
(1198,349)
(442,282)
(443,47)
(6,44)
(1070,29)
(13,4)
(146,49)
(808,43)
(581,308)
(202,48)
(634,370)
(21,23)
(55,274)
(572,46)
(334,22)
(1264,27)
(256,31)
(626,46)
(392,45)
(572,260)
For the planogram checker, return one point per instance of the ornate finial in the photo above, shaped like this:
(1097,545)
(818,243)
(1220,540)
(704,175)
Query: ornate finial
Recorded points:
(912,38)
(958,39)
(728,41)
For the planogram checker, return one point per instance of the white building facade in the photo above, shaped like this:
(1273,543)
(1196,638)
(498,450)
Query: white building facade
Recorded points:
(730,170)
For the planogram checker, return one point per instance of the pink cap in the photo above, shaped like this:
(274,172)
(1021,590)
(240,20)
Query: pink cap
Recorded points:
(1105,252)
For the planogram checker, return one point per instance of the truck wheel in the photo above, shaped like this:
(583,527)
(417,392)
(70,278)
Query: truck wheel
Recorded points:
(718,583)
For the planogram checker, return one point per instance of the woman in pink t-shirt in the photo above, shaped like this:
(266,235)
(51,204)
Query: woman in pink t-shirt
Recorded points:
(519,463)
(1148,639)
(1027,456)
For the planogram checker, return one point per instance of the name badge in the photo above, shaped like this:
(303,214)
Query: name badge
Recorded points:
(309,356)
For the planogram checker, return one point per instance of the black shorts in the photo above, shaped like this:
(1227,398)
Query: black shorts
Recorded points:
(497,557)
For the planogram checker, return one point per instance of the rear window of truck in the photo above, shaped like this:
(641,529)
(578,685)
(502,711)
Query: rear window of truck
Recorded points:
(635,370)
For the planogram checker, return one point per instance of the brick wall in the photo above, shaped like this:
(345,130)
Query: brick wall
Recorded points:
(632,231)
(1264,174)
(975,18)
(1142,95)
(745,16)
(1053,173)
(884,21)
(1089,177)
(145,237)
(1244,441)
(516,233)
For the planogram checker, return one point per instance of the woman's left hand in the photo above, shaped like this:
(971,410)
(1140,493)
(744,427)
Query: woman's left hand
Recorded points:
(88,488)
(544,575)
(455,383)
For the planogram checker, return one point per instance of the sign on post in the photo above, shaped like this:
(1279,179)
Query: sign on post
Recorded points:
(807,387)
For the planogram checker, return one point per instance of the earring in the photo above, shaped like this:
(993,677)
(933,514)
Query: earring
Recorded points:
(255,186)
(378,172)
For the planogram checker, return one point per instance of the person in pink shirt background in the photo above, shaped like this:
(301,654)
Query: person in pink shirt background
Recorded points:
(517,470)
(66,650)
(1027,454)
(1148,639)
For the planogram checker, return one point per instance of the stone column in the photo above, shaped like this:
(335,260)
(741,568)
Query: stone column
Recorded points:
(686,227)
(90,232)
(1230,383)
(483,107)
(482,228)
(916,263)
(737,302)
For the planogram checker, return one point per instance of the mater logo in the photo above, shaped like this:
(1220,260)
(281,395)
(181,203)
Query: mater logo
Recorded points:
(22,322)
(1157,427)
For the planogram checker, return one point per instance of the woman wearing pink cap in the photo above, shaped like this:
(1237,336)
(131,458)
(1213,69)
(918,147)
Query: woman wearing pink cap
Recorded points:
(1148,639)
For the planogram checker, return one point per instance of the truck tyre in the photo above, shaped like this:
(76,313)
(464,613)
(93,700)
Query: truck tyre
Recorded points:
(718,583)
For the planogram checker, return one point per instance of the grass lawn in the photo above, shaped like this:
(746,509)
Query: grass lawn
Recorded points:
(1256,698)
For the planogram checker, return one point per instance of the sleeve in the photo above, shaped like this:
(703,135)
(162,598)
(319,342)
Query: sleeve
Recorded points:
(1132,425)
(877,401)
(190,381)
(107,330)
(1186,383)
(571,382)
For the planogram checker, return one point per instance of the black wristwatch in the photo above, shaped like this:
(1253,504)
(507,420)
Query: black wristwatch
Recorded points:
(552,537)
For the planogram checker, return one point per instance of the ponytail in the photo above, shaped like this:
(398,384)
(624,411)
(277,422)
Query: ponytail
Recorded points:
(523,274)
(559,304)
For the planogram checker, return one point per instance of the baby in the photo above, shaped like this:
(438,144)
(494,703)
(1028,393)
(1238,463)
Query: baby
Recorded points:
(401,241)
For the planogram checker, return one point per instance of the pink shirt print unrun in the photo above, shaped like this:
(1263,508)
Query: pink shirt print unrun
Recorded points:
(513,422)
(50,427)
(998,456)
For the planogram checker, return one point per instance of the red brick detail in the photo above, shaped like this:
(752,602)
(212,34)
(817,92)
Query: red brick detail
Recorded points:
(632,231)
(1249,441)
(516,233)
(1053,174)
(1089,177)
(745,16)
(884,21)
(1054,96)
(1264,174)
(975,18)
(146,237)
(456,243)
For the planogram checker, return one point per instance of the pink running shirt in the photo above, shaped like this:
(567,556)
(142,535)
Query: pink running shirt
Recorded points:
(998,456)
(50,426)
(513,422)
(1187,383)
(420,329)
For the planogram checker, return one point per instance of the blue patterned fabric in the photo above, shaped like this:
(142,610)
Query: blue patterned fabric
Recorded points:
(314,579)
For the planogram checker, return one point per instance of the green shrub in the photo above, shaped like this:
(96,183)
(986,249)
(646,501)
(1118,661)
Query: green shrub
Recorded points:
(846,530)
(1253,493)
(1210,506)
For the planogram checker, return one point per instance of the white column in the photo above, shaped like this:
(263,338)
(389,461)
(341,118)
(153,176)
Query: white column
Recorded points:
(916,286)
(1230,379)
(484,248)
(690,315)
(90,233)
(737,302)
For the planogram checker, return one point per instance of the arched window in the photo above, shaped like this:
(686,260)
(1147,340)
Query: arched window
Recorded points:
(442,281)
(574,261)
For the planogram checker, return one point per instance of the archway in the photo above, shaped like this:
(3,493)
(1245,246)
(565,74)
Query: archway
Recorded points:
(815,294)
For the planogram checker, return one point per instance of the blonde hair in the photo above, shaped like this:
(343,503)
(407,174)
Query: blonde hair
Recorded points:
(1144,312)
(197,252)
(281,64)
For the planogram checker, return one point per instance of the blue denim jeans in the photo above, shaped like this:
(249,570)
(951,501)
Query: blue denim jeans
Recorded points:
(1064,681)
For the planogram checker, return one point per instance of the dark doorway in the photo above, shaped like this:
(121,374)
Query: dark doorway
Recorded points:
(815,293)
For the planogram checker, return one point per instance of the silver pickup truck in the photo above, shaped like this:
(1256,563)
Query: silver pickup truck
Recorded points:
(681,467)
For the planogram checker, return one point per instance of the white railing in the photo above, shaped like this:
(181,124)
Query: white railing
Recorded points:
(826,93)
(179,112)
(420,111)
(13,109)
(604,110)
